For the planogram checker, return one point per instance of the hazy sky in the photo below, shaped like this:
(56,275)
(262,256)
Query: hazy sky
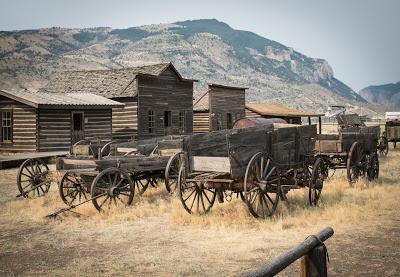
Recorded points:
(360,38)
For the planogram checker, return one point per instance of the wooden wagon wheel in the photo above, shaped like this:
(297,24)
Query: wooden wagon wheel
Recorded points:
(356,165)
(33,178)
(172,171)
(261,186)
(373,167)
(72,189)
(115,185)
(140,185)
(194,196)
(383,146)
(316,182)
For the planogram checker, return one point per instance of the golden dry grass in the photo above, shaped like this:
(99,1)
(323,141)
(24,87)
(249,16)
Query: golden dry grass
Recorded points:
(155,236)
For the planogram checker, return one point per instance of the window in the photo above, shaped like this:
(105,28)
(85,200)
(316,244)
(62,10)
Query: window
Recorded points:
(151,120)
(181,121)
(229,121)
(6,126)
(219,121)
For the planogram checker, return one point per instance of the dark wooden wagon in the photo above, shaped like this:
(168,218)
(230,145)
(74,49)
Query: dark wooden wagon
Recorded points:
(114,174)
(260,164)
(354,148)
(392,131)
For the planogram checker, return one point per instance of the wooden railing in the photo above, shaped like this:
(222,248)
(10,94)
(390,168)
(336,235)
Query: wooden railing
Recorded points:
(313,264)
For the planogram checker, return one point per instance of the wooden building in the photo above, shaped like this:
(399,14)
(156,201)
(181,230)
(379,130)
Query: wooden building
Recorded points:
(158,100)
(52,121)
(218,108)
(290,115)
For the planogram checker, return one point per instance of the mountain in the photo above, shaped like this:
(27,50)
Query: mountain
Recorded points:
(387,95)
(208,50)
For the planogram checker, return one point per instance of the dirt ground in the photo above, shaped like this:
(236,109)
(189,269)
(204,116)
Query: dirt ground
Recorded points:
(156,237)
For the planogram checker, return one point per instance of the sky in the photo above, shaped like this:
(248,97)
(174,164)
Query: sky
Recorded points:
(359,38)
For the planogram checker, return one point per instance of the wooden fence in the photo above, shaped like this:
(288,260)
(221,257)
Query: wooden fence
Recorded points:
(313,264)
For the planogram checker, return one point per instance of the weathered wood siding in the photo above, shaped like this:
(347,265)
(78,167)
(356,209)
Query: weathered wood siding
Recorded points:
(55,127)
(54,130)
(164,93)
(224,101)
(125,120)
(23,126)
(201,122)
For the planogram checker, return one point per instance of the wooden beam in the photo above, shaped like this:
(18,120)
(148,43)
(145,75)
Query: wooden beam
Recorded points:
(319,125)
(280,263)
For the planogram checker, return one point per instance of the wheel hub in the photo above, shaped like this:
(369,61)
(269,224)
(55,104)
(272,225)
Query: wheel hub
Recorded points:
(114,191)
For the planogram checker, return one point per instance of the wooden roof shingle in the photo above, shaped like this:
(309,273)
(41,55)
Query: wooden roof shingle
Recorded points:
(107,83)
(61,100)
(268,109)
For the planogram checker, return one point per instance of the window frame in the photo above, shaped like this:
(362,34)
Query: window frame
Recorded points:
(11,126)
(181,121)
(151,121)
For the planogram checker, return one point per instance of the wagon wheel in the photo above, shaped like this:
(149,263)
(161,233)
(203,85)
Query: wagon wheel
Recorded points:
(112,186)
(261,186)
(140,185)
(373,167)
(316,182)
(383,146)
(194,196)
(355,162)
(33,178)
(172,171)
(72,189)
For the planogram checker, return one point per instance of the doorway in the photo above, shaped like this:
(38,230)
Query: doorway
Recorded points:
(78,127)
(167,123)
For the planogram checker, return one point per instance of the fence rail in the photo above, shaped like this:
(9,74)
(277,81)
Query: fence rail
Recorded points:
(313,265)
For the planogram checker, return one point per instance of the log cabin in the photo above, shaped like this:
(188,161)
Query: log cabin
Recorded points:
(158,100)
(43,122)
(271,110)
(218,108)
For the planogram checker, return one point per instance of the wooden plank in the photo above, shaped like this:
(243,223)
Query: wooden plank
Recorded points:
(210,164)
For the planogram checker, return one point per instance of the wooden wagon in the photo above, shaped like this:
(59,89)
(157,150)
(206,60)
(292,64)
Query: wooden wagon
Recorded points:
(354,149)
(392,131)
(125,169)
(260,164)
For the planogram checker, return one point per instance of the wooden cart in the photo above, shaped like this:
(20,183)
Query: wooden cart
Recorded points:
(128,168)
(354,149)
(261,164)
(392,131)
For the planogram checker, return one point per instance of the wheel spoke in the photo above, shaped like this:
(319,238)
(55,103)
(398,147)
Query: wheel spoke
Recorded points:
(193,191)
(194,198)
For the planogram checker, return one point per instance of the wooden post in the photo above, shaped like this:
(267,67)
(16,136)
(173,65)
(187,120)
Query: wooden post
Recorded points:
(320,124)
(280,263)
(314,263)
(309,120)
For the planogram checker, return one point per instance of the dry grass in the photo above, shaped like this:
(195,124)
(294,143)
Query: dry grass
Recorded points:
(157,237)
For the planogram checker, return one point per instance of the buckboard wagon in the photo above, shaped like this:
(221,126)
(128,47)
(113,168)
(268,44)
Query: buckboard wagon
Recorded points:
(354,149)
(128,168)
(261,164)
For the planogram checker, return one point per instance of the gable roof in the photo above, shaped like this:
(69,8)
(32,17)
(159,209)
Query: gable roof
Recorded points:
(108,83)
(267,109)
(61,100)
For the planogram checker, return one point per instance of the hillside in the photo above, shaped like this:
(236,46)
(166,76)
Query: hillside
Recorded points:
(387,95)
(207,50)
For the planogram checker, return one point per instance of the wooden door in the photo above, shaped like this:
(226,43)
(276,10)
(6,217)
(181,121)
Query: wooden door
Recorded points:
(167,123)
(77,127)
